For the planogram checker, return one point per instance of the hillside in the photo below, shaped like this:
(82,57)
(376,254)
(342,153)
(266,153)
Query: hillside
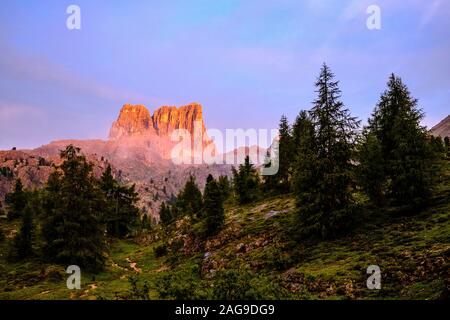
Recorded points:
(411,250)
(442,128)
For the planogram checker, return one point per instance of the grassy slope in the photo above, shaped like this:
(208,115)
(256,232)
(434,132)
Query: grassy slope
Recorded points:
(412,252)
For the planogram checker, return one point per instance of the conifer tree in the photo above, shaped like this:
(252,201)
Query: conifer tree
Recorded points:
(72,231)
(22,245)
(406,154)
(16,201)
(324,170)
(189,200)
(224,186)
(246,182)
(284,155)
(120,213)
(371,170)
(214,214)
(165,215)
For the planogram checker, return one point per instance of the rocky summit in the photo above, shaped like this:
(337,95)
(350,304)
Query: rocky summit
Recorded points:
(442,129)
(138,149)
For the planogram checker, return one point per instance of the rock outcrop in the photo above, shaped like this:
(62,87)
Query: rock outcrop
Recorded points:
(135,120)
(442,128)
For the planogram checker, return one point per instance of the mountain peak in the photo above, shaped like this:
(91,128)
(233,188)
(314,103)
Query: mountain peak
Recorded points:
(135,120)
(442,128)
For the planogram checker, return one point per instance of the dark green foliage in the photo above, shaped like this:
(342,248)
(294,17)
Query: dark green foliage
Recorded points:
(138,292)
(22,244)
(72,231)
(181,284)
(242,284)
(16,201)
(406,154)
(282,154)
(6,172)
(161,250)
(165,215)
(371,171)
(224,186)
(246,182)
(213,212)
(189,201)
(324,171)
(120,213)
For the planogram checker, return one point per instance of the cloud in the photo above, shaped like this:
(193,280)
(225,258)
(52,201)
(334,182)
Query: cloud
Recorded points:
(40,69)
(429,14)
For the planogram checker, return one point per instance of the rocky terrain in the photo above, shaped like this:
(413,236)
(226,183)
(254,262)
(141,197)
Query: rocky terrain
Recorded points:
(139,150)
(442,128)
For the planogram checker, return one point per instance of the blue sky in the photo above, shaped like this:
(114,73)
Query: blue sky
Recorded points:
(246,62)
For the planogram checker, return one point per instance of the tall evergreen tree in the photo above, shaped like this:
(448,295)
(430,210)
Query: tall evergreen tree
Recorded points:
(224,186)
(120,213)
(324,176)
(22,244)
(165,215)
(285,155)
(371,170)
(189,201)
(405,151)
(16,201)
(72,231)
(246,182)
(214,214)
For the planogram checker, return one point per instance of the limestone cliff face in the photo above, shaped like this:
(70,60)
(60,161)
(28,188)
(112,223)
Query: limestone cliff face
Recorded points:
(135,120)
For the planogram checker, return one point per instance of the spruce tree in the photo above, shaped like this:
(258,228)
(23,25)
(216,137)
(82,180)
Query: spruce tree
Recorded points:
(371,170)
(284,155)
(165,215)
(246,182)
(324,176)
(22,244)
(72,231)
(224,186)
(16,201)
(120,213)
(189,200)
(213,214)
(407,158)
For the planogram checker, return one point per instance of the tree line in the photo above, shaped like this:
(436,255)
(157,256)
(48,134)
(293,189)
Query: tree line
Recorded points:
(327,161)
(76,214)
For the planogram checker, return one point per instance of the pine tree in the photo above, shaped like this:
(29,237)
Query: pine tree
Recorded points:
(189,200)
(120,213)
(16,201)
(447,146)
(165,215)
(22,245)
(284,155)
(371,170)
(407,158)
(72,231)
(224,186)
(214,214)
(324,176)
(246,182)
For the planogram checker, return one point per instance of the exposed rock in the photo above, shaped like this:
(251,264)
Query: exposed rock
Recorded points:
(442,128)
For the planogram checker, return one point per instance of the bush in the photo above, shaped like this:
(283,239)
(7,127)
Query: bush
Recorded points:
(160,250)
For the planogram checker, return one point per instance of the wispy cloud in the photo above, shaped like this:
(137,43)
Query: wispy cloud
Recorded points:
(14,63)
(429,13)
